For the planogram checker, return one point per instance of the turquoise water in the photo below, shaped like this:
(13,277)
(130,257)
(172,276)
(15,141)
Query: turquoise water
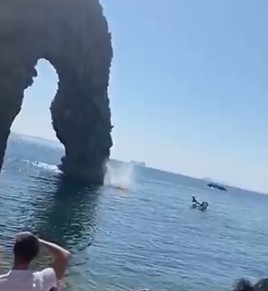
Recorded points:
(138,232)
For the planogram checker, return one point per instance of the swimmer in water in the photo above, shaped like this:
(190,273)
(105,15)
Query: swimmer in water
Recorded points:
(195,201)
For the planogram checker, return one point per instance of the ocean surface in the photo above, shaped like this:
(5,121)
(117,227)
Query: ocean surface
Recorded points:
(139,230)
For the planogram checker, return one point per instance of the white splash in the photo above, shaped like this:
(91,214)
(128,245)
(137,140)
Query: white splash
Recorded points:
(120,177)
(46,167)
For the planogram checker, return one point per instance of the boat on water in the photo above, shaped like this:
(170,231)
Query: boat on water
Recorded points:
(216,186)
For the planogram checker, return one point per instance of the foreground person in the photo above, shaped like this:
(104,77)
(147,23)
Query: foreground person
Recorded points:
(22,278)
(245,285)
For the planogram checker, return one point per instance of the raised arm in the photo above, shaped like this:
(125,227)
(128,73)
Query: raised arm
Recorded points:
(60,257)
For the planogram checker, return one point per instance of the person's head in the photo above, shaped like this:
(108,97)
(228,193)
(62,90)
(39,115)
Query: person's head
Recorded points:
(243,285)
(261,285)
(26,248)
(246,285)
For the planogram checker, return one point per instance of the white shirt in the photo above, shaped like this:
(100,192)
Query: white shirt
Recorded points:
(28,280)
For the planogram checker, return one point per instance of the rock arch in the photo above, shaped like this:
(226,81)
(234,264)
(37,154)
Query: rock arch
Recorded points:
(73,36)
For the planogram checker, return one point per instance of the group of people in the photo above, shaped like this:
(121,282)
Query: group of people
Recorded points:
(21,278)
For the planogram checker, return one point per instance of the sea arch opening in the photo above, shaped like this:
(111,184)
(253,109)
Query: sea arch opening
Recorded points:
(34,118)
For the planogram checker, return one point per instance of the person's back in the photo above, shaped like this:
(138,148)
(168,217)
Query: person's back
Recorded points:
(21,278)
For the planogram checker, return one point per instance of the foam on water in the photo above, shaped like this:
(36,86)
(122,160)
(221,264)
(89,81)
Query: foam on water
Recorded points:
(44,166)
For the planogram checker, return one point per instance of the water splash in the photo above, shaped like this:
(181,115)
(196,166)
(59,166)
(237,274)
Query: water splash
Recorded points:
(43,166)
(47,167)
(120,176)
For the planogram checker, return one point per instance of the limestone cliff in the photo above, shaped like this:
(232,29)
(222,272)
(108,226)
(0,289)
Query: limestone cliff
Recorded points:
(73,36)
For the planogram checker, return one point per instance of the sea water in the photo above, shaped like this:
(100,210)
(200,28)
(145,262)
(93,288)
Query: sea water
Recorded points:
(138,231)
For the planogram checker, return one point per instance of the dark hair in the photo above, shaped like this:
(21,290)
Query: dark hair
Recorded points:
(26,248)
(243,285)
(261,285)
(246,285)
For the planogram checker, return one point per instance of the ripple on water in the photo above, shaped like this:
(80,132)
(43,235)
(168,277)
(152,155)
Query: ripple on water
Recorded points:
(147,236)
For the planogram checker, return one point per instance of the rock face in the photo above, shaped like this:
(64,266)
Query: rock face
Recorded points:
(73,36)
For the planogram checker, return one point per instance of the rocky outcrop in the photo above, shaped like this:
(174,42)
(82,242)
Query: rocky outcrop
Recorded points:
(73,36)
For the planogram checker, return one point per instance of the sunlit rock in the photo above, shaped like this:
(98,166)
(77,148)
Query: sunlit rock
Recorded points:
(73,36)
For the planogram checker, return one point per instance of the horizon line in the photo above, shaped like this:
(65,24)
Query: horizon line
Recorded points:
(56,141)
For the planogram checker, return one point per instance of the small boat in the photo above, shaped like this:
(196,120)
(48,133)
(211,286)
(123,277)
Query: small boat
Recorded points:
(216,186)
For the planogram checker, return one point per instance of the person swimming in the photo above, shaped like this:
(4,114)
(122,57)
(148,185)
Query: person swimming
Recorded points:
(195,201)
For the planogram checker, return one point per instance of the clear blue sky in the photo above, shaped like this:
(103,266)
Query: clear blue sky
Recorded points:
(188,89)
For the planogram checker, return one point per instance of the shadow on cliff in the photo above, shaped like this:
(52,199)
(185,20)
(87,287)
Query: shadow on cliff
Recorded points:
(65,212)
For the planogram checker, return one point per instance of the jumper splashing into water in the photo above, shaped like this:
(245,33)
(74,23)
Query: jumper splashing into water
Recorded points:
(120,176)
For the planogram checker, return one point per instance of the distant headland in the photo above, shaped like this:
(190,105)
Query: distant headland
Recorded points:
(140,164)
